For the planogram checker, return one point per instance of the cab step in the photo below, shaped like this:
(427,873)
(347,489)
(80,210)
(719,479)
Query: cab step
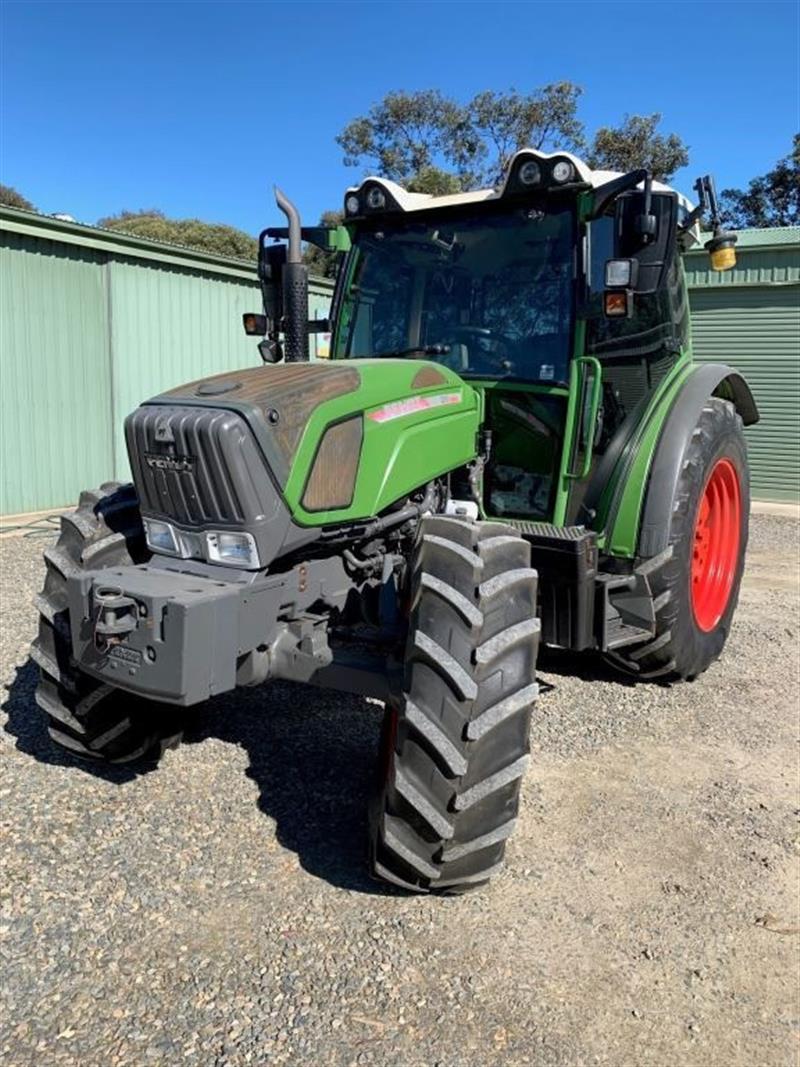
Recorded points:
(549,530)
(625,610)
(566,560)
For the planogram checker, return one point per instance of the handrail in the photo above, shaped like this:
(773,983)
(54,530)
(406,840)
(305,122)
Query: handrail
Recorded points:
(594,408)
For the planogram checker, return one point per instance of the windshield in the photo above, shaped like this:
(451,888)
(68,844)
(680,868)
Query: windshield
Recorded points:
(489,296)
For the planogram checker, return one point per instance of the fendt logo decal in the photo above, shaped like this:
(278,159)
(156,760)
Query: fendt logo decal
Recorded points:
(169,463)
(410,406)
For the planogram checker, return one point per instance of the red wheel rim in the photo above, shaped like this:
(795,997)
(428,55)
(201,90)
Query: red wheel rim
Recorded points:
(715,551)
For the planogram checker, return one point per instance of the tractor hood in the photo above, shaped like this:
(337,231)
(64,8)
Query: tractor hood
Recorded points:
(319,443)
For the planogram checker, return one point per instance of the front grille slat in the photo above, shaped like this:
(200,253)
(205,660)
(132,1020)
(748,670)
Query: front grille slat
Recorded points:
(207,504)
(198,466)
(226,486)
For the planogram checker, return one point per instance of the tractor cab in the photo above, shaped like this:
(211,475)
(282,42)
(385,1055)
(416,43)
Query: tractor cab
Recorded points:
(489,294)
(559,296)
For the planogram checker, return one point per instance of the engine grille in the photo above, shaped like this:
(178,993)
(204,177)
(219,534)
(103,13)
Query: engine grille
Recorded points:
(198,465)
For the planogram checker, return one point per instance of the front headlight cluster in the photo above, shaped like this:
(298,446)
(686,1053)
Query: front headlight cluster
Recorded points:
(231,548)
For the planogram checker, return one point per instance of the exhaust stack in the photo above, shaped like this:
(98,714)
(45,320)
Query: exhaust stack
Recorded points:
(295,287)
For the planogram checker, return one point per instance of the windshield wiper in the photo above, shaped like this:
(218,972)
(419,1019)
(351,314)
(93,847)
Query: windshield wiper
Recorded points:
(418,350)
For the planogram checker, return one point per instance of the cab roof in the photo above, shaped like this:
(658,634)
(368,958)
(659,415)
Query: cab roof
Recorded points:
(404,200)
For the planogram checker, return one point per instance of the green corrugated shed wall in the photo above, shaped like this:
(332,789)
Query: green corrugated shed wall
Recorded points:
(750,317)
(92,323)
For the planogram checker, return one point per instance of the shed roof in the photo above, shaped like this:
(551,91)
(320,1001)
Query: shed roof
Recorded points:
(32,224)
(768,237)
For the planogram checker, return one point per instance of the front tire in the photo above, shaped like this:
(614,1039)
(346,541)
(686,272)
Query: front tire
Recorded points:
(87,717)
(456,745)
(696,588)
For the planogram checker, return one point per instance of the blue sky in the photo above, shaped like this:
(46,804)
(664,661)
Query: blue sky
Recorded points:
(197,108)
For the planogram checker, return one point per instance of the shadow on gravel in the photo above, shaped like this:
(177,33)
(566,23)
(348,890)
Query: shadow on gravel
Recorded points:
(26,723)
(312,754)
(588,666)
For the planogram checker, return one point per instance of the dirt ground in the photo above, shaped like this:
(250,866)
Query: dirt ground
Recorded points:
(216,910)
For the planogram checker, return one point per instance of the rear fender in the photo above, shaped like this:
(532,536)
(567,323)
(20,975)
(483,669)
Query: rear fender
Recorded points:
(640,526)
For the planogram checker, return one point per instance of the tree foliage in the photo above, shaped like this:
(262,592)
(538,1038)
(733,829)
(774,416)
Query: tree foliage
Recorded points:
(407,133)
(502,123)
(773,199)
(215,238)
(434,182)
(432,143)
(636,143)
(11,198)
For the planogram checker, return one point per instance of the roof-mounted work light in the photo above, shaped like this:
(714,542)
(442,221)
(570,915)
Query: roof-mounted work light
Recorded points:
(373,197)
(531,171)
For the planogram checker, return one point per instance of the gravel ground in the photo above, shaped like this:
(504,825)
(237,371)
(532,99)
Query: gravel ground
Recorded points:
(216,910)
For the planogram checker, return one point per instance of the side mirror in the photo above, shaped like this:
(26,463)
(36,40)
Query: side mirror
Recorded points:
(271,264)
(637,225)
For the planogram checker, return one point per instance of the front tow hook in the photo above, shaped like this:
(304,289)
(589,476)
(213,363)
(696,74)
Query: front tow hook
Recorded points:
(117,616)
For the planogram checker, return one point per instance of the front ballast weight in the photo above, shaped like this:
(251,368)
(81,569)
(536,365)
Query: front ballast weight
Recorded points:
(189,637)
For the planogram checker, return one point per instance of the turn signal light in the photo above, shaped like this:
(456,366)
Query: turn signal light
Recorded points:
(254,325)
(618,304)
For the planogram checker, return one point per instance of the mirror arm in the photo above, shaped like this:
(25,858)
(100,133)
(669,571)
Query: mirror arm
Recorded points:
(328,238)
(605,195)
(697,212)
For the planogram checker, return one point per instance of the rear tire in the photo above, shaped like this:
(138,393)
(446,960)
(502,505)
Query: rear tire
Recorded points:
(89,718)
(455,746)
(692,620)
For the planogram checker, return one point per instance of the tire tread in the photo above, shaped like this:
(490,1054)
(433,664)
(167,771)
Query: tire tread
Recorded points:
(449,800)
(105,530)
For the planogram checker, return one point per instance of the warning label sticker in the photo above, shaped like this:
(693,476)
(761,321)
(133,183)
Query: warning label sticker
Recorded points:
(412,404)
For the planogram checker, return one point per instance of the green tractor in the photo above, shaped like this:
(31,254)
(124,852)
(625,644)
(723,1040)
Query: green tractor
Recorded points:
(509,445)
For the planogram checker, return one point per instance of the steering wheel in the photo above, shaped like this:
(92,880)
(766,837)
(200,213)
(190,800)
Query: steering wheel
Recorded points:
(496,346)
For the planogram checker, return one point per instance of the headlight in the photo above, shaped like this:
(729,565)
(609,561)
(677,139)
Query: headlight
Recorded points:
(376,198)
(530,173)
(214,546)
(562,171)
(161,537)
(620,273)
(232,549)
(351,205)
